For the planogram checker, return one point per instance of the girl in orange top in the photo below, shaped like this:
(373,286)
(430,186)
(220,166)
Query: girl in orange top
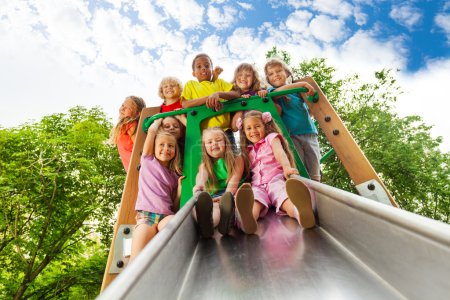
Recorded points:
(124,133)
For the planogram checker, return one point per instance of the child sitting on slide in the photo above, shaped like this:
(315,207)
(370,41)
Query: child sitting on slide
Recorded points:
(271,164)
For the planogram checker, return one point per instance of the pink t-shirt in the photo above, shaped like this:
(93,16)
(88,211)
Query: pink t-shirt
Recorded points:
(264,165)
(157,185)
(125,146)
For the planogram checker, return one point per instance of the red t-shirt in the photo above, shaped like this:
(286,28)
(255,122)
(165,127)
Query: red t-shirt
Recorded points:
(171,107)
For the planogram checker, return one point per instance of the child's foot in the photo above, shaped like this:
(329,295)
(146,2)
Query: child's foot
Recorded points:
(300,196)
(244,206)
(203,209)
(226,206)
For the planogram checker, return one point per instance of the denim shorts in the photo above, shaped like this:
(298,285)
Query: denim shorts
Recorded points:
(149,218)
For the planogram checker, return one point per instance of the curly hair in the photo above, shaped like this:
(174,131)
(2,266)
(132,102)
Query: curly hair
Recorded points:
(169,80)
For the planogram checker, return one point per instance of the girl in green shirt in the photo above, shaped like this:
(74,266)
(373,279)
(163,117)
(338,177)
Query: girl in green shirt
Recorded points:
(216,183)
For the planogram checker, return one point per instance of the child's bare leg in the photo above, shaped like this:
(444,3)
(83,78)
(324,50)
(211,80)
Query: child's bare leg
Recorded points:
(300,197)
(142,234)
(164,222)
(216,214)
(290,208)
(257,208)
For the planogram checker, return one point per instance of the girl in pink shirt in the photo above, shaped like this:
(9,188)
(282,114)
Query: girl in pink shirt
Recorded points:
(124,133)
(271,163)
(158,187)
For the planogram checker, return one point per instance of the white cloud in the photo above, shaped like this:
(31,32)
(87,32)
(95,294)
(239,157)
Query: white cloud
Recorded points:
(426,95)
(337,8)
(360,17)
(245,5)
(245,44)
(327,29)
(406,15)
(148,14)
(188,13)
(298,21)
(443,21)
(299,3)
(222,18)
(364,54)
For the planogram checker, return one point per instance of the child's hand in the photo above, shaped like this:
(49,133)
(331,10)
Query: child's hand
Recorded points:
(180,180)
(288,171)
(217,71)
(213,101)
(246,96)
(262,93)
(311,90)
(156,124)
(198,188)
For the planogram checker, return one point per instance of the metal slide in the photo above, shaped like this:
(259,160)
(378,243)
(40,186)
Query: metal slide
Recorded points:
(361,250)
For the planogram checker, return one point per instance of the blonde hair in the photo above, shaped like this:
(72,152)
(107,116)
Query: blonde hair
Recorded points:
(256,84)
(208,161)
(175,163)
(120,128)
(269,127)
(275,61)
(168,80)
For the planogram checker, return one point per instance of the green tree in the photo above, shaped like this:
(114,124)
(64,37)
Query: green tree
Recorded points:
(59,185)
(401,150)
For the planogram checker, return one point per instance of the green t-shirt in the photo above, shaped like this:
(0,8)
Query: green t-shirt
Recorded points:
(220,169)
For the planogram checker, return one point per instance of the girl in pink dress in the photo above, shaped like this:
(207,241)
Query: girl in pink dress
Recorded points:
(271,163)
(124,133)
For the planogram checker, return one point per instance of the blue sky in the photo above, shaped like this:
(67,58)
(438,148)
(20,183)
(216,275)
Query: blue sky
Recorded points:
(56,54)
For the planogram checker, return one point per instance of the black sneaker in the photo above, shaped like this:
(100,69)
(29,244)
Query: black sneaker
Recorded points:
(226,206)
(203,209)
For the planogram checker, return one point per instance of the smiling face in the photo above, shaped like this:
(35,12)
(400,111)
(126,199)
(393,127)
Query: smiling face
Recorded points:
(202,68)
(127,109)
(165,147)
(254,129)
(214,143)
(171,92)
(244,80)
(172,126)
(276,75)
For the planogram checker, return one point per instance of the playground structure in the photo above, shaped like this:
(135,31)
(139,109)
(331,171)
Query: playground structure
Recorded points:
(361,248)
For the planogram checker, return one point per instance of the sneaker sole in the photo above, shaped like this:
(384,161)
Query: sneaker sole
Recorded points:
(203,209)
(244,205)
(300,196)
(226,206)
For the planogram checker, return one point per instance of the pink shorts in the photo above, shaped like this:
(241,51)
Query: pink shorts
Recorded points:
(271,194)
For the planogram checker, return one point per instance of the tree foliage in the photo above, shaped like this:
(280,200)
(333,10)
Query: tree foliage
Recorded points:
(59,186)
(401,150)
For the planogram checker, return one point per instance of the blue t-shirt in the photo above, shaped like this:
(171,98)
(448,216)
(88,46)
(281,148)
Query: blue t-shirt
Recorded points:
(295,115)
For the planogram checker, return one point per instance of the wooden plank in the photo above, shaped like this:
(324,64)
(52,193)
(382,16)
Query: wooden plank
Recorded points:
(352,157)
(126,213)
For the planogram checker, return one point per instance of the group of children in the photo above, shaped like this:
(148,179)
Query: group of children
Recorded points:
(231,188)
